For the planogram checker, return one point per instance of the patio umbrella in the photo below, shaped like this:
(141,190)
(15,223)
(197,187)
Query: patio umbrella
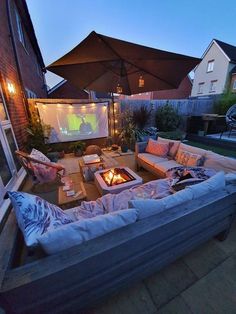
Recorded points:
(106,64)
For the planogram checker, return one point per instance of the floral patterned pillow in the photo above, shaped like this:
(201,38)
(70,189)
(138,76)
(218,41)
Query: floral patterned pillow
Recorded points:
(36,154)
(189,159)
(35,216)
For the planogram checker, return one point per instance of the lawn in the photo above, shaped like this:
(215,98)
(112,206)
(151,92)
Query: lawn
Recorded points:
(218,150)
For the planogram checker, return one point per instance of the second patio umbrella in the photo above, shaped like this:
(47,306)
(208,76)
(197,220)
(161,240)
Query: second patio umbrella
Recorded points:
(106,64)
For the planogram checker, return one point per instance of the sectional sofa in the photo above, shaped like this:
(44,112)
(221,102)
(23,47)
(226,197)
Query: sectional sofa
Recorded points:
(159,165)
(87,260)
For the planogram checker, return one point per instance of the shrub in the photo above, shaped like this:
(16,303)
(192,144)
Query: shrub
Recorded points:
(141,116)
(224,103)
(167,118)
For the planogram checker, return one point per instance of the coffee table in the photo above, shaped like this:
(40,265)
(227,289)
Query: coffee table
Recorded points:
(70,201)
(103,188)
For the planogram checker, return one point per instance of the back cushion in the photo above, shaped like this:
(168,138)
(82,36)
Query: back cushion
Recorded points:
(158,149)
(173,149)
(192,149)
(79,231)
(218,162)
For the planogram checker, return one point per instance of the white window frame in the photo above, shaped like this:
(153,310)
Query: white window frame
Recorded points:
(200,88)
(234,85)
(20,28)
(212,84)
(4,125)
(210,66)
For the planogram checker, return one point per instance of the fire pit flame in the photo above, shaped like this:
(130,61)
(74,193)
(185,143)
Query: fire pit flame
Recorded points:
(116,176)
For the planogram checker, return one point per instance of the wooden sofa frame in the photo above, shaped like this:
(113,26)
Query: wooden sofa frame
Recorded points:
(81,276)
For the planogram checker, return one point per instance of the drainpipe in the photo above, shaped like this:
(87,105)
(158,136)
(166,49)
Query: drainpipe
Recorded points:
(22,89)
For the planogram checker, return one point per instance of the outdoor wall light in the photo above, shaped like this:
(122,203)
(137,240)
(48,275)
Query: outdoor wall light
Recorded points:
(11,88)
(141,81)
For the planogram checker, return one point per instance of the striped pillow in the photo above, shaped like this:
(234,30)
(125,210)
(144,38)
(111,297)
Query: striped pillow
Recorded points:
(158,149)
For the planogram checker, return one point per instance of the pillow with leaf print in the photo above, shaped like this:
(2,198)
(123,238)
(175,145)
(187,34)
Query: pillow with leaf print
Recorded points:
(35,216)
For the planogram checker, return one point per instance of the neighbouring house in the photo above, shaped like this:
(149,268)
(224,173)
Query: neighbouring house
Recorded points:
(21,77)
(182,92)
(65,90)
(216,73)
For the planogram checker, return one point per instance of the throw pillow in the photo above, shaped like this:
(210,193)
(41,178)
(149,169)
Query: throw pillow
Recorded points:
(35,216)
(36,154)
(188,159)
(158,149)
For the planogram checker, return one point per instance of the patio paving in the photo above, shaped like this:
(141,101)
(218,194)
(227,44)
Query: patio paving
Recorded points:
(201,282)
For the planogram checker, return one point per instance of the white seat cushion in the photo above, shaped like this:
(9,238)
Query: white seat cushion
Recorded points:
(166,165)
(151,159)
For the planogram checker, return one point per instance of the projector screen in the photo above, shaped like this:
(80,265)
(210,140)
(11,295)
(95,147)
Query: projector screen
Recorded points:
(75,122)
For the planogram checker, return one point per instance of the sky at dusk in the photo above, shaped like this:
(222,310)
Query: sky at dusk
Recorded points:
(180,26)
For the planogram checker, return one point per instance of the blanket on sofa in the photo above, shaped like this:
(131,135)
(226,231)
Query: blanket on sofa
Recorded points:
(156,189)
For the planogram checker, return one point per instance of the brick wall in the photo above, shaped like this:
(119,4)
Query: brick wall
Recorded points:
(8,71)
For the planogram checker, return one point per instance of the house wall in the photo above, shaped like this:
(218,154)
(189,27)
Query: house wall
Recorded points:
(183,91)
(8,71)
(219,73)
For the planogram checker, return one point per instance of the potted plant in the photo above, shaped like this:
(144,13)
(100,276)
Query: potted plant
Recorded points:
(78,148)
(127,134)
(124,145)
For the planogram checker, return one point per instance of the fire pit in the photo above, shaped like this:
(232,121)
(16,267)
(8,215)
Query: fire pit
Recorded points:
(115,180)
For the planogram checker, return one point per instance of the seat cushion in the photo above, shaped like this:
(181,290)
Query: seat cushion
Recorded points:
(151,159)
(166,165)
(173,148)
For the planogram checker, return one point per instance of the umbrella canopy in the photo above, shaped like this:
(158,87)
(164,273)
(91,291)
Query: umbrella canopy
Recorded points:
(104,64)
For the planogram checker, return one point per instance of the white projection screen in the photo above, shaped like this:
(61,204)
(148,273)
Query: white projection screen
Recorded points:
(74,122)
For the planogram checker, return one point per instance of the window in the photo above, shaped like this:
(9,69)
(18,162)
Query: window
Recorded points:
(213,86)
(20,29)
(200,88)
(210,65)
(234,84)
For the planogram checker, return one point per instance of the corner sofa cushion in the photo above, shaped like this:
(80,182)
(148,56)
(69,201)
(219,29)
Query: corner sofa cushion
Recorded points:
(214,183)
(158,149)
(166,165)
(36,216)
(151,207)
(79,231)
(219,162)
(151,159)
(173,149)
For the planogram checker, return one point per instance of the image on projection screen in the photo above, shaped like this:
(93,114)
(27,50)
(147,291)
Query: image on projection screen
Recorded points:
(74,122)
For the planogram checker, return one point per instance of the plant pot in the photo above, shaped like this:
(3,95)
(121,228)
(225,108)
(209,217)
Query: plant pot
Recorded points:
(78,153)
(61,154)
(124,147)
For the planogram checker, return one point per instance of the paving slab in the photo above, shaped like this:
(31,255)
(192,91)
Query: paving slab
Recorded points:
(216,292)
(135,300)
(169,282)
(176,306)
(205,258)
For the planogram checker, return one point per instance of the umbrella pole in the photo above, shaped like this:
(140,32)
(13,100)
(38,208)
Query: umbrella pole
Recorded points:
(113,114)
